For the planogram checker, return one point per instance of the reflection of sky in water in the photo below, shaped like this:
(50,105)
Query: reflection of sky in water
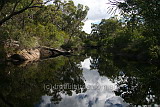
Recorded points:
(100,93)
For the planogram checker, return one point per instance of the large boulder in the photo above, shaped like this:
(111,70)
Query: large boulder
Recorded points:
(23,55)
(37,53)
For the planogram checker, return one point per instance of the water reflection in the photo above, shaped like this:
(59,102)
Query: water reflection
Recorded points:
(23,86)
(100,92)
(106,80)
(137,82)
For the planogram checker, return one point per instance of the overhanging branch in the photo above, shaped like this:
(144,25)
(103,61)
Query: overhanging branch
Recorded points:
(30,5)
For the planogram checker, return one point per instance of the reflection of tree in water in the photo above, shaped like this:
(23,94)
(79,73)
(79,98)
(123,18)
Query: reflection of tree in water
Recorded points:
(138,82)
(140,87)
(70,74)
(24,86)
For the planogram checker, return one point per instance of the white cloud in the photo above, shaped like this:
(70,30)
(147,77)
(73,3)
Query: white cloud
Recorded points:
(97,11)
(100,94)
(87,26)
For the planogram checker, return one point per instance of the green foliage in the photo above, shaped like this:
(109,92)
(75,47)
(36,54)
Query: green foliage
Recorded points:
(50,25)
(149,14)
(135,35)
(50,36)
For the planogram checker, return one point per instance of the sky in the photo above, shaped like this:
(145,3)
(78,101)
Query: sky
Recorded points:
(97,11)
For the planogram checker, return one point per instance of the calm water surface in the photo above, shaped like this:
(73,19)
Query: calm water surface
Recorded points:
(90,80)
(99,92)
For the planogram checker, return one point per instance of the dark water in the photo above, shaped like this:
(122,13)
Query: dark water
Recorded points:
(94,79)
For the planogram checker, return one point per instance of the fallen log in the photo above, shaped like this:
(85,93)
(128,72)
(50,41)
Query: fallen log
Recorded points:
(55,51)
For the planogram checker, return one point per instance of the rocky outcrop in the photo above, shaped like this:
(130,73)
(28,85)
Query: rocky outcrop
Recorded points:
(36,54)
(31,54)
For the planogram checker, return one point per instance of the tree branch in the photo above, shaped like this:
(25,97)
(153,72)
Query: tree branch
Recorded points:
(15,5)
(30,5)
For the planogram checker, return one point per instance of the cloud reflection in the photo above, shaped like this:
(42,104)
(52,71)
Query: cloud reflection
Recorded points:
(92,97)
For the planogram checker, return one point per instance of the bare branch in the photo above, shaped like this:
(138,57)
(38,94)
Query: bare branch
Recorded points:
(47,1)
(13,13)
(15,5)
(35,6)
(30,5)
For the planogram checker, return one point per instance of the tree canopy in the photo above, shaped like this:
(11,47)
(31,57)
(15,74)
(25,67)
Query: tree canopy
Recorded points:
(35,23)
